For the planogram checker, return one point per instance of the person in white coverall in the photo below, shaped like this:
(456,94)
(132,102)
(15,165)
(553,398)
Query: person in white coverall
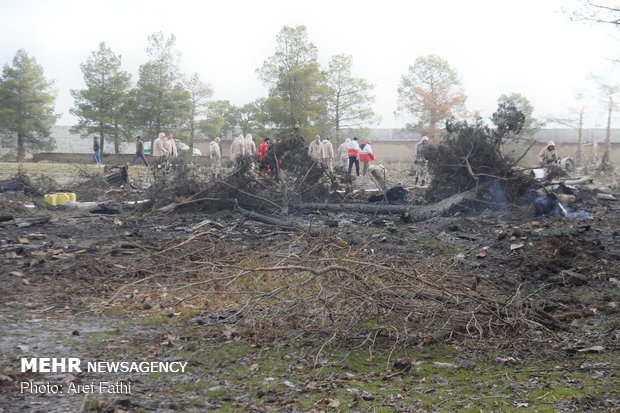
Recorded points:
(237,148)
(215,155)
(343,153)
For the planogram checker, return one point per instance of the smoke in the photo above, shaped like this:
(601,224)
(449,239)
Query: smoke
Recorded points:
(496,191)
(580,214)
(549,205)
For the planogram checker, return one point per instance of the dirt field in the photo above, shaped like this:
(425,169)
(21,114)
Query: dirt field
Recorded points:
(493,311)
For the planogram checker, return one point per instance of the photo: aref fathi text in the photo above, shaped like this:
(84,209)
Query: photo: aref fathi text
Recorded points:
(102,387)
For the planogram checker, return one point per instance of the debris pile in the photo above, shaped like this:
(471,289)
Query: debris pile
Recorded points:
(470,156)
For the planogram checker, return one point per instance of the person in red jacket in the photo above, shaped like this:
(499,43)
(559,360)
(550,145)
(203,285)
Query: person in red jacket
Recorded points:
(366,156)
(354,153)
(263,165)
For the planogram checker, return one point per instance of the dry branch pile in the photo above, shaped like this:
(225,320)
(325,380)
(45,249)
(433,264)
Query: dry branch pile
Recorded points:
(471,155)
(300,179)
(323,290)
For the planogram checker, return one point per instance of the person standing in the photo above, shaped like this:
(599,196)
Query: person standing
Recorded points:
(171,146)
(262,156)
(158,146)
(237,148)
(421,160)
(366,156)
(327,154)
(215,155)
(314,149)
(343,153)
(548,155)
(273,159)
(353,150)
(249,147)
(139,152)
(96,151)
(160,154)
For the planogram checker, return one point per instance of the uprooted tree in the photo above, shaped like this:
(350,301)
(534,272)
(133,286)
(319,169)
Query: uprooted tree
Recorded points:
(299,179)
(468,164)
(471,155)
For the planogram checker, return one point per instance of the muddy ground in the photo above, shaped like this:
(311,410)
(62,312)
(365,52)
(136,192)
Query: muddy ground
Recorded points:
(124,287)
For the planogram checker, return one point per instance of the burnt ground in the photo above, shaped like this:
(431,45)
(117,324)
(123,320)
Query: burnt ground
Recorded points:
(124,287)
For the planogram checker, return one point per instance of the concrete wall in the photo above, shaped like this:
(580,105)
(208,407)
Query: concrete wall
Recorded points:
(385,152)
(390,145)
(403,151)
(110,159)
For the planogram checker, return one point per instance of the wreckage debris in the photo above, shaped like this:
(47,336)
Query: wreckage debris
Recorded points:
(20,183)
(118,177)
(395,194)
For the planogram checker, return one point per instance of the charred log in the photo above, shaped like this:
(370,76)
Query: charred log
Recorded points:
(415,213)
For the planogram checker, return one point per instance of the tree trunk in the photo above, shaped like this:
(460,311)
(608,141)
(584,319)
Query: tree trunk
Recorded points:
(579,140)
(117,140)
(21,147)
(338,118)
(266,219)
(416,213)
(191,141)
(608,134)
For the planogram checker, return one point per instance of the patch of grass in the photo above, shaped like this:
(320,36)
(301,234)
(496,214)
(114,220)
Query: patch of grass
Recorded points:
(586,296)
(439,247)
(159,318)
(614,294)
(54,170)
(363,383)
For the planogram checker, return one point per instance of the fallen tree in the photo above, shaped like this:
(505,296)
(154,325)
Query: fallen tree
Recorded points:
(415,213)
(471,155)
(20,183)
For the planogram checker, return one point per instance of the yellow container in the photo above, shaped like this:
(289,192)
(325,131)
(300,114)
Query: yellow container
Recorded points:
(50,199)
(70,196)
(61,198)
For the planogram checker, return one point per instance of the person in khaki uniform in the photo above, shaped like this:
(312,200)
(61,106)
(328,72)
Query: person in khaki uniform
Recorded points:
(548,155)
(170,145)
(314,149)
(327,154)
(158,146)
(421,161)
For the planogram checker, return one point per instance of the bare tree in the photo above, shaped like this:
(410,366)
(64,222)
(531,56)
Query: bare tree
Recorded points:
(350,98)
(597,12)
(574,122)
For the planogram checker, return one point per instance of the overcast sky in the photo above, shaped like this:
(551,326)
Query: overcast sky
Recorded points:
(497,47)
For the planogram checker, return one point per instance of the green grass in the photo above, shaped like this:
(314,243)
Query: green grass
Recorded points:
(262,377)
(52,169)
(60,172)
(235,375)
(438,247)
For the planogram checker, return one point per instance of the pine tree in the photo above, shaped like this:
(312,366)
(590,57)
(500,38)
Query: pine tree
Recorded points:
(27,104)
(100,108)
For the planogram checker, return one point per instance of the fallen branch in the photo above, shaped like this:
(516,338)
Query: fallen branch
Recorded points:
(252,195)
(417,213)
(265,219)
(175,205)
(580,181)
